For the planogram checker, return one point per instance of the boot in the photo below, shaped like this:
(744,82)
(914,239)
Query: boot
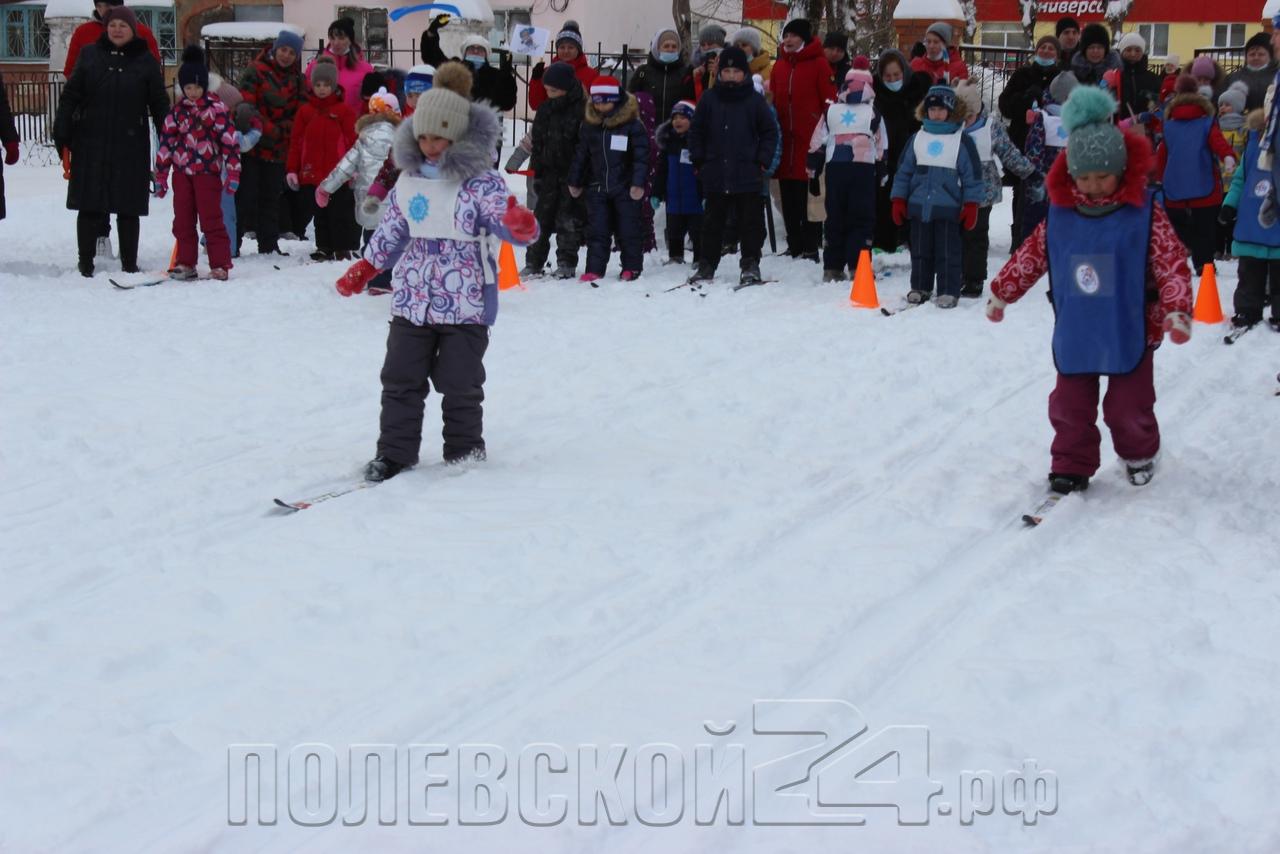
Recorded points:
(183,273)
(1139,472)
(321,255)
(917,297)
(833,275)
(564,271)
(971,290)
(381,468)
(630,275)
(476,455)
(947,301)
(86,269)
(704,273)
(1065,484)
(750,274)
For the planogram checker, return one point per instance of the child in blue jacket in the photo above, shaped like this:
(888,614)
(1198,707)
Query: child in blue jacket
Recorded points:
(677,184)
(939,187)
(1256,235)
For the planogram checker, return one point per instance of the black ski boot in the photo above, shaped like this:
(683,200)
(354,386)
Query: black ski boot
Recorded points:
(86,269)
(972,290)
(750,275)
(1065,484)
(564,271)
(700,275)
(381,468)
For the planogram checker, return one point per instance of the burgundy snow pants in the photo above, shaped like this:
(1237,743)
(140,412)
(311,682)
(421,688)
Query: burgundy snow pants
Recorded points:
(1128,408)
(200,195)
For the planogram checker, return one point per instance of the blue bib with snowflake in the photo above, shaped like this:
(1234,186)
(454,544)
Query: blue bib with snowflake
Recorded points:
(1098,280)
(429,205)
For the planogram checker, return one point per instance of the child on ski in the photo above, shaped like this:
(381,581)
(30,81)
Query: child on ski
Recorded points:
(198,139)
(994,148)
(612,164)
(323,131)
(847,144)
(554,140)
(1113,303)
(1256,235)
(733,142)
(677,184)
(938,185)
(439,234)
(1187,160)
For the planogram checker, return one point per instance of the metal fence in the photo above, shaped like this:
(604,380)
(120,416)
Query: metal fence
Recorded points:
(33,100)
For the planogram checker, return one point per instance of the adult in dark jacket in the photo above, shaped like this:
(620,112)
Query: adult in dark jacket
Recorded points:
(835,47)
(8,137)
(732,142)
(801,85)
(497,85)
(1139,87)
(1068,32)
(1026,88)
(554,143)
(665,76)
(1258,72)
(899,91)
(1095,57)
(102,118)
(274,85)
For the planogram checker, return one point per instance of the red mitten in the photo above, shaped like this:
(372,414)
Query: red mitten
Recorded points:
(11,153)
(354,280)
(899,211)
(520,221)
(995,309)
(1178,327)
(1031,117)
(969,215)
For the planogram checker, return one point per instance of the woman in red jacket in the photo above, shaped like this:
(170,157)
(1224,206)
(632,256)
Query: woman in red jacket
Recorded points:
(568,49)
(90,31)
(802,87)
(940,60)
(324,129)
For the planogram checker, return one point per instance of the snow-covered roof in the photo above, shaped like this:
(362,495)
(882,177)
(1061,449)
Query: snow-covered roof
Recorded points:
(1270,9)
(84,9)
(255,31)
(934,10)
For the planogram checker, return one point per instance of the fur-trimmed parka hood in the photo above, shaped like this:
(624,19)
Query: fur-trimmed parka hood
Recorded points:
(1255,120)
(959,114)
(1191,99)
(374,118)
(665,136)
(623,113)
(468,157)
(1139,161)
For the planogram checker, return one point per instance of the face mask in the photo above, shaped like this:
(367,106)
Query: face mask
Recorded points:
(668,57)
(894,86)
(1045,63)
(1256,67)
(477,61)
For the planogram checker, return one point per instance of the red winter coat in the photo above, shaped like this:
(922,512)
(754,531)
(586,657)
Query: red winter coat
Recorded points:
(1188,107)
(90,31)
(322,132)
(801,86)
(953,69)
(581,69)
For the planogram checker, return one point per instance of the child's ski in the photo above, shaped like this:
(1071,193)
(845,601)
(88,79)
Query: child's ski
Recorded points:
(303,504)
(742,285)
(1235,334)
(1036,516)
(906,306)
(151,283)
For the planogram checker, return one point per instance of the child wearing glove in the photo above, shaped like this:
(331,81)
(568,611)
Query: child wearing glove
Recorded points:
(938,186)
(323,131)
(438,234)
(1113,302)
(198,138)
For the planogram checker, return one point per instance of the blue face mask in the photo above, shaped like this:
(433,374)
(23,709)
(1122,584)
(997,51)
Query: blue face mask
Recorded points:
(668,58)
(477,61)
(894,86)
(1043,62)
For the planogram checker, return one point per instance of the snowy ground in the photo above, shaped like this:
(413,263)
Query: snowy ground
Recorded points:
(691,504)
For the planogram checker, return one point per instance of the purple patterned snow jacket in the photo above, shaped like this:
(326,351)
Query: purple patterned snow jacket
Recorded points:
(448,281)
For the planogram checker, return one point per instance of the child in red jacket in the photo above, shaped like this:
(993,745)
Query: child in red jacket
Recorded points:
(1192,145)
(323,130)
(1112,304)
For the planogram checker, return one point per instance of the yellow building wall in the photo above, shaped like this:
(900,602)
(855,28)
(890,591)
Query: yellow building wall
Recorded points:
(1184,38)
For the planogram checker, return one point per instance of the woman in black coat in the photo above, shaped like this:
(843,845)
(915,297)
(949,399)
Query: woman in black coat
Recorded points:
(9,137)
(102,119)
(898,93)
(665,75)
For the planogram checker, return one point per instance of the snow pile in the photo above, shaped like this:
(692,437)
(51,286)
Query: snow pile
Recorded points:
(934,10)
(691,503)
(248,30)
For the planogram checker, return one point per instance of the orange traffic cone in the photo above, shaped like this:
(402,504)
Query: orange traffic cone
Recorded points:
(1208,306)
(863,293)
(508,274)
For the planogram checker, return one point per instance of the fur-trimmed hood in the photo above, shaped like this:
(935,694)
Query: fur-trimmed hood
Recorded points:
(468,157)
(623,113)
(665,136)
(1188,99)
(373,118)
(1255,120)
(1139,161)
(959,114)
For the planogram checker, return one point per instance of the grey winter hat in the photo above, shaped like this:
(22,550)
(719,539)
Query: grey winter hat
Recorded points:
(711,33)
(942,30)
(749,35)
(325,71)
(1235,95)
(1060,87)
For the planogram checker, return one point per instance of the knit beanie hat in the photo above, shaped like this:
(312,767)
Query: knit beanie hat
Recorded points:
(799,27)
(570,34)
(711,34)
(734,57)
(684,108)
(862,62)
(1259,40)
(1185,85)
(1203,67)
(607,90)
(445,110)
(837,39)
(969,95)
(1173,59)
(1129,40)
(193,69)
(418,80)
(559,75)
(1061,87)
(288,38)
(1237,93)
(942,30)
(1053,40)
(941,95)
(122,13)
(1094,34)
(324,71)
(1065,23)
(383,101)
(1094,144)
(346,26)
(750,35)
(859,86)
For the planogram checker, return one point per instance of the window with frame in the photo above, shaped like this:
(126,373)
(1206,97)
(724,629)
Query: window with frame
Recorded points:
(1228,35)
(372,32)
(26,35)
(503,21)
(1157,38)
(163,25)
(1003,35)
